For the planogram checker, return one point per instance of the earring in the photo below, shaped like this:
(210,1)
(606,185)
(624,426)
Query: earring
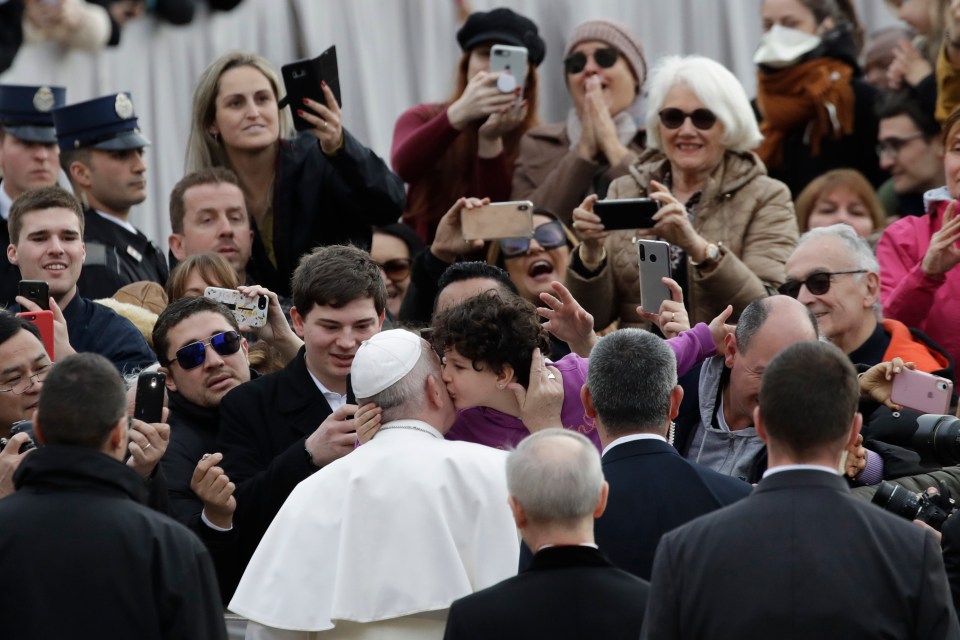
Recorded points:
(216,136)
(500,386)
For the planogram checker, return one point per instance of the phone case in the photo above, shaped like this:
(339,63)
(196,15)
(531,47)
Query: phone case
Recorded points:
(654,260)
(302,80)
(630,213)
(513,60)
(249,312)
(44,322)
(36,291)
(150,393)
(921,391)
(498,220)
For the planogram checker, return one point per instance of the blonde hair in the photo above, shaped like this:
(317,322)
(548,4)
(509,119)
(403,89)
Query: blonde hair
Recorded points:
(203,150)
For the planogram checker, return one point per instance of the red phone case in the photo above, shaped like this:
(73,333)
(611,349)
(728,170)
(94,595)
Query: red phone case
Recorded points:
(44,322)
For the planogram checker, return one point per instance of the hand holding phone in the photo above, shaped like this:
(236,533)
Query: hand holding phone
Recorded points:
(511,63)
(303,79)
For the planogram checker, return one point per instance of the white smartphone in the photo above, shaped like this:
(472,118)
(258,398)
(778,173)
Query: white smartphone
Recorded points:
(653,257)
(249,312)
(498,220)
(513,61)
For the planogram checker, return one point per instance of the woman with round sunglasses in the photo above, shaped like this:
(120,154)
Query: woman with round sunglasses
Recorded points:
(918,255)
(730,226)
(469,143)
(562,162)
(318,187)
(816,111)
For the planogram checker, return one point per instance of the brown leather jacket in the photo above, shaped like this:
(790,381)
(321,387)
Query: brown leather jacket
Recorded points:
(742,210)
(551,175)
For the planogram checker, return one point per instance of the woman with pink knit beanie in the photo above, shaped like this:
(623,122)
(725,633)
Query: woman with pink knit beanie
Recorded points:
(561,163)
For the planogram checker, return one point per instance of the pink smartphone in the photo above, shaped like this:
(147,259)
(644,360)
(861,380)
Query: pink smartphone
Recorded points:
(44,322)
(922,391)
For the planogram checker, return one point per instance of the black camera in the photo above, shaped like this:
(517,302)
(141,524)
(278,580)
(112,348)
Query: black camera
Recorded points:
(21,426)
(937,438)
(934,509)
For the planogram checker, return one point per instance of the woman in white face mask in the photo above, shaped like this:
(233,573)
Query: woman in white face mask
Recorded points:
(816,112)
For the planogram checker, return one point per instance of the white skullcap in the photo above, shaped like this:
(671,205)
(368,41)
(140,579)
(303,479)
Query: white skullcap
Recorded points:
(382,360)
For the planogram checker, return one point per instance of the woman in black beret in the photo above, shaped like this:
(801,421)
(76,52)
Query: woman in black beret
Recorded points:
(468,144)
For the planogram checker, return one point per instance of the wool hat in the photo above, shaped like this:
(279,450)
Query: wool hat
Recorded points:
(617,35)
(383,360)
(502,26)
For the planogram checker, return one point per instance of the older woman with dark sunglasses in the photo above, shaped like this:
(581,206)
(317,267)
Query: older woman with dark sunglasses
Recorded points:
(730,226)
(561,162)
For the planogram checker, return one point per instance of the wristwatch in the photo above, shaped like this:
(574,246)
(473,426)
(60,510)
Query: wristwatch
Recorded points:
(712,257)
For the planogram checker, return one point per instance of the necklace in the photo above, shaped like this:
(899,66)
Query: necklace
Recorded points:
(408,426)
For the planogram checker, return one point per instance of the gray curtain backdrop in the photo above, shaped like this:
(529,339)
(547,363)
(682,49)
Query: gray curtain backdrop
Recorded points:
(392,54)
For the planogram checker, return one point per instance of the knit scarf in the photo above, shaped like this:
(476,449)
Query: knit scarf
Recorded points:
(816,94)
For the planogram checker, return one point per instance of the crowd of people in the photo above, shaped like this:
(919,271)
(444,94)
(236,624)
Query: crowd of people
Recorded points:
(375,424)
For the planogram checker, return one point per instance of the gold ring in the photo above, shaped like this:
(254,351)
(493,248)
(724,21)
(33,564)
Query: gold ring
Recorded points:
(148,445)
(673,316)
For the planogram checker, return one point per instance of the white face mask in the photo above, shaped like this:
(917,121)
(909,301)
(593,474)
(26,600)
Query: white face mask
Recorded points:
(782,46)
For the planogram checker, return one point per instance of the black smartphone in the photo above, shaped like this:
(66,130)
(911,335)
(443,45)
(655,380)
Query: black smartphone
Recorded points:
(302,80)
(630,213)
(351,396)
(149,401)
(37,291)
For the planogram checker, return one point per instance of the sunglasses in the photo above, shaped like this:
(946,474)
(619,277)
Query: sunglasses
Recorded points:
(673,118)
(396,269)
(817,283)
(549,235)
(605,58)
(193,354)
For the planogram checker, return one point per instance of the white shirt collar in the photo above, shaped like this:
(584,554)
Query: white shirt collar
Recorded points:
(631,438)
(115,220)
(5,202)
(334,399)
(799,467)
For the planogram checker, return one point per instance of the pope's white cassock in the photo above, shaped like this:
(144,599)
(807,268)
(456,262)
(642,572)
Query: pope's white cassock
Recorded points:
(388,536)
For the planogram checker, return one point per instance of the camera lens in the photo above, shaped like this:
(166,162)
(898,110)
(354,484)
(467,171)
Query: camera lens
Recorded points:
(653,257)
(938,436)
(262,302)
(895,499)
(522,207)
(643,252)
(941,386)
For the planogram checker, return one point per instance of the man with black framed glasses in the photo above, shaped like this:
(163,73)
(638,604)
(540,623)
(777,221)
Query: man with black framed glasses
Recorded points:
(910,149)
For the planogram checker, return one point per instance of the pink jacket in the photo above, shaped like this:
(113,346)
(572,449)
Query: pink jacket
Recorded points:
(908,294)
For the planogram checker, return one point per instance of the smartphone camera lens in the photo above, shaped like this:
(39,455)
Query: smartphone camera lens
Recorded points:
(643,252)
(941,386)
(522,207)
(653,257)
(262,302)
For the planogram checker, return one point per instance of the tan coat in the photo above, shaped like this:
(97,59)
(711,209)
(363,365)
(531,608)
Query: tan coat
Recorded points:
(742,210)
(553,176)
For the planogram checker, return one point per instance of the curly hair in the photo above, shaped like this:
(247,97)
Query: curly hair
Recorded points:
(492,329)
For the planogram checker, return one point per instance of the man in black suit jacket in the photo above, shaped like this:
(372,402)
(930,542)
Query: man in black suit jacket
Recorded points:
(652,488)
(570,590)
(804,558)
(280,428)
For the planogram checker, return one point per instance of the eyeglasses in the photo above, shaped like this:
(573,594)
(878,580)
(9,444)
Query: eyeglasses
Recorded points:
(892,146)
(194,354)
(577,62)
(817,283)
(549,235)
(396,269)
(673,118)
(21,385)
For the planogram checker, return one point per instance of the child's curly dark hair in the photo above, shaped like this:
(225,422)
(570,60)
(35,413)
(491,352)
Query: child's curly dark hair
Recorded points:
(492,329)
